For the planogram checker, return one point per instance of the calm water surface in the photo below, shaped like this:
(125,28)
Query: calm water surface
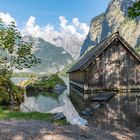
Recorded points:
(52,103)
(42,102)
(123,110)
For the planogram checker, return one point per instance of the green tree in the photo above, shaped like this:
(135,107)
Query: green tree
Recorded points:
(134,10)
(14,53)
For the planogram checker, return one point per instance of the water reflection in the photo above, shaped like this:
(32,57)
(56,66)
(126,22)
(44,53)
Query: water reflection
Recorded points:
(123,110)
(42,102)
(53,104)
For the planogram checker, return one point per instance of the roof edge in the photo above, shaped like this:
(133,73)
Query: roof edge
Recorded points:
(109,40)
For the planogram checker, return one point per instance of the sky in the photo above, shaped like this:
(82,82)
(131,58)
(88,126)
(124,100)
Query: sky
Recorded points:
(48,11)
(56,21)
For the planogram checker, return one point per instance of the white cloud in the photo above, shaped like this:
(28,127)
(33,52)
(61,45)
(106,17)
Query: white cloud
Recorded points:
(84,28)
(76,22)
(31,21)
(63,21)
(6,18)
(31,28)
(69,36)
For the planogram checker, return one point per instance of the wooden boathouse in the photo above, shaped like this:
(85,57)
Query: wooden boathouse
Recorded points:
(111,65)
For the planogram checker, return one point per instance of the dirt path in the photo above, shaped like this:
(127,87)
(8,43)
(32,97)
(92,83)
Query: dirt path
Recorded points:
(40,130)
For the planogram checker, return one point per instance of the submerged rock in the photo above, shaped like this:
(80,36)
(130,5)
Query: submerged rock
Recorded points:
(87,112)
(59,116)
(59,88)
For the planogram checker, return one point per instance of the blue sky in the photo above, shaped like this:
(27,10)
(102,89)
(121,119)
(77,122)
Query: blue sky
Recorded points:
(48,11)
(60,22)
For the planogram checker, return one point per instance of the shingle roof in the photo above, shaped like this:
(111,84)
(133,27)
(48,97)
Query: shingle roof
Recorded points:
(91,55)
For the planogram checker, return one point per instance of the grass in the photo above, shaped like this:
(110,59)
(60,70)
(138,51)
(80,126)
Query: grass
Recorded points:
(6,114)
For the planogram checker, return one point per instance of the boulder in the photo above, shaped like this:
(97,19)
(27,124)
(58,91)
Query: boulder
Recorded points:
(59,88)
(59,116)
(87,112)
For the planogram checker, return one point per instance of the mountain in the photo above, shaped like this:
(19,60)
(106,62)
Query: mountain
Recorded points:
(53,58)
(114,19)
(71,44)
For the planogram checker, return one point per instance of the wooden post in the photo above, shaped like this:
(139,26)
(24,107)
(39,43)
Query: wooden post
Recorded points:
(86,79)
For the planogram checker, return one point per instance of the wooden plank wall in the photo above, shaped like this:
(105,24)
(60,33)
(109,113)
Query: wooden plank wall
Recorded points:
(77,76)
(115,68)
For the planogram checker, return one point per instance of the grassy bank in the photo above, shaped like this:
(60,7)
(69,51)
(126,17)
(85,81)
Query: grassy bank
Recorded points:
(6,114)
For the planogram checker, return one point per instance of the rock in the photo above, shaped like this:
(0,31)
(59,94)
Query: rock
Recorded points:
(30,88)
(114,19)
(85,132)
(87,112)
(59,116)
(66,131)
(59,88)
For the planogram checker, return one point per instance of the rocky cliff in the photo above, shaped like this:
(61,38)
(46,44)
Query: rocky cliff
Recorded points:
(114,19)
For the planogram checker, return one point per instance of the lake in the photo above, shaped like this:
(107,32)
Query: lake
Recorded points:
(51,103)
(42,102)
(123,110)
